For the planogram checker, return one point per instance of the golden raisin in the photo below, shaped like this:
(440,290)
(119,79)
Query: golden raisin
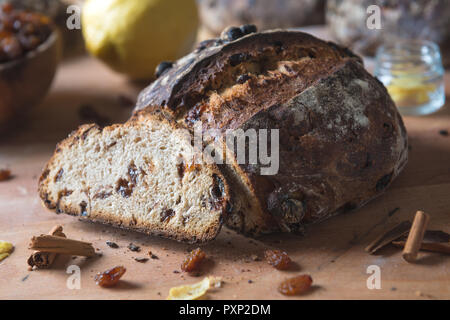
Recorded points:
(5,174)
(296,285)
(278,259)
(110,277)
(193,260)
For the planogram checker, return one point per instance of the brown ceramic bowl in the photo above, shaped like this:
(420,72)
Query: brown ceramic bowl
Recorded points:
(24,82)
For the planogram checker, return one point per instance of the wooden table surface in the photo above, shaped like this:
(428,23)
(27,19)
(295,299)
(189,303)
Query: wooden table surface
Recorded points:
(332,252)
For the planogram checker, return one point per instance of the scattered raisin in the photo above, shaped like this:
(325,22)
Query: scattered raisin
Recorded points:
(193,260)
(296,285)
(278,259)
(112,244)
(141,260)
(109,278)
(134,248)
(5,174)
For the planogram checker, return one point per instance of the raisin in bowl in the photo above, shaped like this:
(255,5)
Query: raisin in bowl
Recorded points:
(29,55)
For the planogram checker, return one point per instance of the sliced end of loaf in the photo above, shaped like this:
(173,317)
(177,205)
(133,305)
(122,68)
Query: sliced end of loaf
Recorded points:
(140,176)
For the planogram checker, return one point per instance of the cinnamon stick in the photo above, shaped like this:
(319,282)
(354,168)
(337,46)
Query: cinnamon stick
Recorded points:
(43,260)
(48,243)
(389,236)
(427,246)
(415,237)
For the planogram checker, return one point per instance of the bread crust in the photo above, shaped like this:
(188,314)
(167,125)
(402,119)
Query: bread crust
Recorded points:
(191,73)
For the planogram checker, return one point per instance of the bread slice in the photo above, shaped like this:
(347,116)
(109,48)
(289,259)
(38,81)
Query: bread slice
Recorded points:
(139,175)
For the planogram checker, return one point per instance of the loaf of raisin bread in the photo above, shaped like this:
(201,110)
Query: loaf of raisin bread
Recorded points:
(341,140)
(141,175)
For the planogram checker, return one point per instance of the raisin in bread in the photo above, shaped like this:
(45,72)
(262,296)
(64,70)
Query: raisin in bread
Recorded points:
(341,139)
(140,175)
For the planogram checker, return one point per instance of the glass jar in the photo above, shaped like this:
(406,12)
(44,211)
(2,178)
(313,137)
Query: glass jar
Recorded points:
(413,74)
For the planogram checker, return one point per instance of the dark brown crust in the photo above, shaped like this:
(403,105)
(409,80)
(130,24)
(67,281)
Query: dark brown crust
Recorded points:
(190,73)
(323,171)
(85,214)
